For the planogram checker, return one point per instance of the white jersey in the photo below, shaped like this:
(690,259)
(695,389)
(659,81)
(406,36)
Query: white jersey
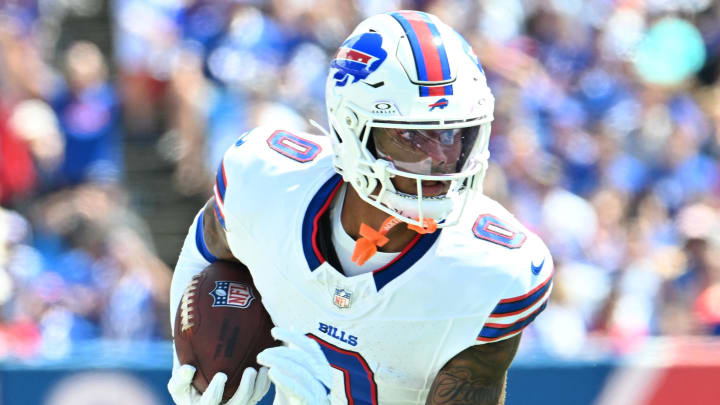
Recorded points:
(387,332)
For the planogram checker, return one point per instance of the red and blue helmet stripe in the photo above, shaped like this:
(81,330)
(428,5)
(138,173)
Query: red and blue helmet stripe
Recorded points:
(431,59)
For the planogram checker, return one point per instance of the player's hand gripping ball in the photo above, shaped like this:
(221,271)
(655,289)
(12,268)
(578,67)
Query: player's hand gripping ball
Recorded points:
(221,325)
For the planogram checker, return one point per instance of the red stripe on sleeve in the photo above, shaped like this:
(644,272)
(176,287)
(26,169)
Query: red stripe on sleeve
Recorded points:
(507,325)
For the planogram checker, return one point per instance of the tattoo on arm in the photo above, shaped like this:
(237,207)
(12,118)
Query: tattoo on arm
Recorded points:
(460,385)
(476,376)
(214,233)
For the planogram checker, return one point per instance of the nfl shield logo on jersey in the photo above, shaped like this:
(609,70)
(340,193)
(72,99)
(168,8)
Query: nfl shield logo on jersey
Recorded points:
(230,294)
(341,299)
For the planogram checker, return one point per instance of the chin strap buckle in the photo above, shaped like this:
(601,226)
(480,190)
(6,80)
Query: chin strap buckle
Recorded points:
(429,226)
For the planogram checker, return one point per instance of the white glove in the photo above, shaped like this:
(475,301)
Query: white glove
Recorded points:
(253,387)
(300,371)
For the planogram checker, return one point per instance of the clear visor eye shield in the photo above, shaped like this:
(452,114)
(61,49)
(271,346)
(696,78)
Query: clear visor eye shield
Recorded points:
(434,154)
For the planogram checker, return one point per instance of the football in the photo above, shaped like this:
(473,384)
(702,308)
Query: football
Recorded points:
(221,325)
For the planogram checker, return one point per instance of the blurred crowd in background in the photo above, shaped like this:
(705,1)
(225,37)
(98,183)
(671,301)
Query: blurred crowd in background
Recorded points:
(606,142)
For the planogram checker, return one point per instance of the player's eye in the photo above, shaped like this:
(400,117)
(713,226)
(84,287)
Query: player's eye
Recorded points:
(447,137)
(407,138)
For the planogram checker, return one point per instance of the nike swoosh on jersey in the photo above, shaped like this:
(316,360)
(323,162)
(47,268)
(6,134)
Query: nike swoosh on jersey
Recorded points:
(537,269)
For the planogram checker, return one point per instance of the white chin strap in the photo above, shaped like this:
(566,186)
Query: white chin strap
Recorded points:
(437,208)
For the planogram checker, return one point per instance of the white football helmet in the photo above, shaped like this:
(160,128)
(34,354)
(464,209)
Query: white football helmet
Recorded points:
(407,97)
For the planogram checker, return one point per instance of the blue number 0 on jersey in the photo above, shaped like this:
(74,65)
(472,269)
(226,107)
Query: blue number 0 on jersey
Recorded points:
(292,146)
(360,388)
(492,229)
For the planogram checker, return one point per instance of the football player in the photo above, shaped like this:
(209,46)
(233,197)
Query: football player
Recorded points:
(388,274)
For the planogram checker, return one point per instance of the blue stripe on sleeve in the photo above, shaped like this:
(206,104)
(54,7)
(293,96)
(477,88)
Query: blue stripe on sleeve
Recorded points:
(220,181)
(200,240)
(219,215)
(489,332)
(520,305)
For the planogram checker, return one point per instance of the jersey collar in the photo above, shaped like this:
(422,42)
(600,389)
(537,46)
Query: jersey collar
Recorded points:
(319,205)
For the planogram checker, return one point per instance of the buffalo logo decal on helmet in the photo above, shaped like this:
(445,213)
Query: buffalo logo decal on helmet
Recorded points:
(358,57)
(442,103)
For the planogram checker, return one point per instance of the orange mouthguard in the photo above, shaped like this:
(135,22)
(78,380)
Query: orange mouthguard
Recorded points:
(366,247)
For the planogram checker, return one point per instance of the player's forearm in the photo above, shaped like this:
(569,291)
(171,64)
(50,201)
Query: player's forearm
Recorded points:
(191,261)
(475,376)
(462,386)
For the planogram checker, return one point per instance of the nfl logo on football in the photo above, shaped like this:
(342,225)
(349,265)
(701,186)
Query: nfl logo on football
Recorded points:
(229,294)
(341,299)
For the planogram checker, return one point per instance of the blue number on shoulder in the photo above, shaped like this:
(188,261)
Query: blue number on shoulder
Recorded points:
(492,229)
(360,387)
(294,147)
